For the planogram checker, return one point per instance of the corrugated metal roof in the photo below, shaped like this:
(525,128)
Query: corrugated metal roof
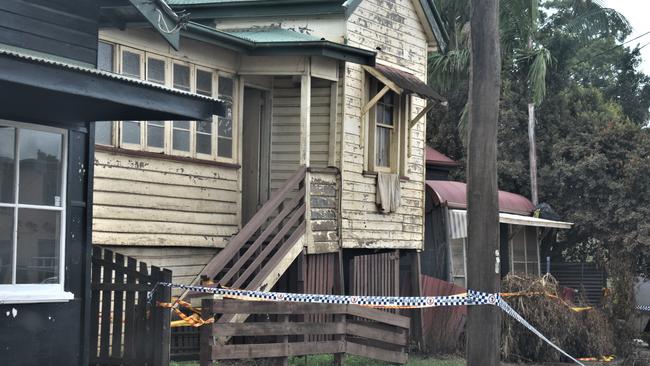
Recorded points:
(101,73)
(408,81)
(435,157)
(271,34)
(454,195)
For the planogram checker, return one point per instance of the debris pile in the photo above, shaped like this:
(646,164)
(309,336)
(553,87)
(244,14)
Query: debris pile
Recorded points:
(578,331)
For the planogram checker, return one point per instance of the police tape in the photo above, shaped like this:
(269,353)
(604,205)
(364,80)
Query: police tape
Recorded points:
(643,307)
(469,298)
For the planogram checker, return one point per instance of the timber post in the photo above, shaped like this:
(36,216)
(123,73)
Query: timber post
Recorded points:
(484,322)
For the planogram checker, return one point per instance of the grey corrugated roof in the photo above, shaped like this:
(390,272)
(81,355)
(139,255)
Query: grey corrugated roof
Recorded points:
(101,73)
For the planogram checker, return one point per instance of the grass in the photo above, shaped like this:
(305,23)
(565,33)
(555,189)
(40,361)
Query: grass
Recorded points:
(326,360)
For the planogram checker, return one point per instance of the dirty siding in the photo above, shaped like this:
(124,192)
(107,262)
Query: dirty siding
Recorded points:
(285,130)
(324,217)
(392,25)
(154,202)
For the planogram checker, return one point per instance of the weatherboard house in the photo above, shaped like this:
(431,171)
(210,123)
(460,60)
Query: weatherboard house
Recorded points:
(312,181)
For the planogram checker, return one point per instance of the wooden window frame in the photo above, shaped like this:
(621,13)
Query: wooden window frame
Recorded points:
(36,293)
(166,124)
(145,54)
(526,262)
(121,49)
(233,120)
(398,131)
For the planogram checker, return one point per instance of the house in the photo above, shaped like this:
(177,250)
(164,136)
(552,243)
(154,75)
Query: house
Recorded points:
(50,92)
(444,256)
(324,96)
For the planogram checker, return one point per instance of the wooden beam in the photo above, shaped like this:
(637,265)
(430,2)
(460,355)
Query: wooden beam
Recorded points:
(374,100)
(422,113)
(384,80)
(305,118)
(334,88)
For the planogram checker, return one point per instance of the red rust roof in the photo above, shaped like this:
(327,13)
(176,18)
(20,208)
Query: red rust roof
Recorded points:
(454,195)
(435,157)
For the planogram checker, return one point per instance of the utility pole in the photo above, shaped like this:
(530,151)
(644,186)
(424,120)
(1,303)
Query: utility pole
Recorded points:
(484,322)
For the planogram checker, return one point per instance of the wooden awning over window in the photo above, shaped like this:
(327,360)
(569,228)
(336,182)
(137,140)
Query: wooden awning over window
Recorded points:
(402,82)
(34,89)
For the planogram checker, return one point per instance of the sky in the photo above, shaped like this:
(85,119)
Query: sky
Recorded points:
(636,12)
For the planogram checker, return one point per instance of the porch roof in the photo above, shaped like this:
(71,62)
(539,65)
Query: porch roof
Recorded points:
(273,41)
(37,89)
(403,81)
(454,195)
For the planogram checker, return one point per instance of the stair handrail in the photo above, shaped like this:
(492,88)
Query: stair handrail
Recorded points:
(248,230)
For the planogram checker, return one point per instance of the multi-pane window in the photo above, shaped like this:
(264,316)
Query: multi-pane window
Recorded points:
(385,125)
(387,134)
(212,139)
(524,253)
(32,205)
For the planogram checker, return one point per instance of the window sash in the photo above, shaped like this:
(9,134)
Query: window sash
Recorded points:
(16,206)
(195,73)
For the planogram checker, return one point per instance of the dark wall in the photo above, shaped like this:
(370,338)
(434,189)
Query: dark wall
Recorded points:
(434,259)
(54,333)
(435,172)
(64,28)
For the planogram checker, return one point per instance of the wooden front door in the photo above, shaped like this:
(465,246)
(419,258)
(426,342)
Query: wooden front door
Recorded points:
(256,152)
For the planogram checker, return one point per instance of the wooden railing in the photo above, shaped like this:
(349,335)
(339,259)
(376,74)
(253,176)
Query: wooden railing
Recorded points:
(286,331)
(255,250)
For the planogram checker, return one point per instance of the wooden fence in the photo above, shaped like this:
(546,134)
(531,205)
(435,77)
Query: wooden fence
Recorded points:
(125,330)
(355,330)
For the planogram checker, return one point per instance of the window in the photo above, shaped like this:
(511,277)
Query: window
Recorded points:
(386,132)
(210,140)
(524,256)
(32,212)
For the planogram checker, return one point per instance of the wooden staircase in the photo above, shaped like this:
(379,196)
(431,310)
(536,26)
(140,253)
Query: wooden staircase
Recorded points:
(259,254)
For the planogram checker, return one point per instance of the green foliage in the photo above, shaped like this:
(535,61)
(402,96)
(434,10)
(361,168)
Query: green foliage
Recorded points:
(593,149)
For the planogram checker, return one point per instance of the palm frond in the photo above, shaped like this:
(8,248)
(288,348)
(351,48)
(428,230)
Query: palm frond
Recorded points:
(537,73)
(448,69)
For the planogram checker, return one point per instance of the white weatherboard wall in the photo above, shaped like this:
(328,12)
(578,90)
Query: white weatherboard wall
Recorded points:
(394,27)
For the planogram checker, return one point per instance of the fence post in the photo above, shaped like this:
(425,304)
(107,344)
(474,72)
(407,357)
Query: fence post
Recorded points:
(206,337)
(161,318)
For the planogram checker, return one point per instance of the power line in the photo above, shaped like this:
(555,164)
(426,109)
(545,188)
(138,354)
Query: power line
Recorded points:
(618,45)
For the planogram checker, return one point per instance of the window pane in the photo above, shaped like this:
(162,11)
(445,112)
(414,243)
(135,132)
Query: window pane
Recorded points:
(225,87)
(105,57)
(225,127)
(181,140)
(382,146)
(156,70)
(131,132)
(40,167)
(7,164)
(6,244)
(204,144)
(155,134)
(131,64)
(204,82)
(182,124)
(37,259)
(224,147)
(388,115)
(181,77)
(204,126)
(104,132)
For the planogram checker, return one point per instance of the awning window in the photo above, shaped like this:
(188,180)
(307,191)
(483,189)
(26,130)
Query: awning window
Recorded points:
(458,222)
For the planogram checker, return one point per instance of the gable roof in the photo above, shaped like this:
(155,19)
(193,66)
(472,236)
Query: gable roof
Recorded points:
(224,9)
(435,157)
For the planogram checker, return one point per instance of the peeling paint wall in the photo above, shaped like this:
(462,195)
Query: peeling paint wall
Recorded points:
(392,28)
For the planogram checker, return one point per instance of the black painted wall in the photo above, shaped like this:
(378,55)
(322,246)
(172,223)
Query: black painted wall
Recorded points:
(55,333)
(64,28)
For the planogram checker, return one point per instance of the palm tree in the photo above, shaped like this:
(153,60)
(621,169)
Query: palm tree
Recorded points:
(519,25)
